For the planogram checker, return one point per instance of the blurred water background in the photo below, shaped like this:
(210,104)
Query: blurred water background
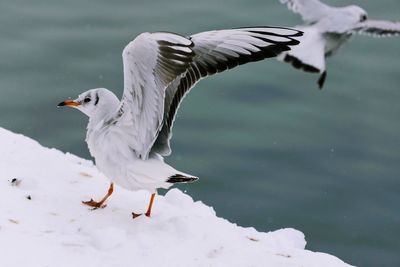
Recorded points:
(272,151)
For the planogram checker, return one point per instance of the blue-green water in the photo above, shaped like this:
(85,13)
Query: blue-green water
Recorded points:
(271,150)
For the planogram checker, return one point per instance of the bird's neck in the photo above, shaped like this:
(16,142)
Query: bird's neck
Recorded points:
(103,114)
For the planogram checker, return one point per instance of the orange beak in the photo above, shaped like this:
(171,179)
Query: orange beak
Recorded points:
(69,103)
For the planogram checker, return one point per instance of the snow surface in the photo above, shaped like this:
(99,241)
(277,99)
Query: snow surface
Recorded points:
(54,229)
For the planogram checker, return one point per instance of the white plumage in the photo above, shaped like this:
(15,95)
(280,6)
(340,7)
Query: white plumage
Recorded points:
(326,29)
(129,138)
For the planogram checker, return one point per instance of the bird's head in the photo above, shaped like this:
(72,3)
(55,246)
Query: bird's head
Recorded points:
(99,101)
(357,13)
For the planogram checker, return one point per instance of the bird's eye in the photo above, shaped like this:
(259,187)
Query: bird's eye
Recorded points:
(86,100)
(363,18)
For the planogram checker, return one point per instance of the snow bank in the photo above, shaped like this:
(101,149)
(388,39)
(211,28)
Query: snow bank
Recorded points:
(43,223)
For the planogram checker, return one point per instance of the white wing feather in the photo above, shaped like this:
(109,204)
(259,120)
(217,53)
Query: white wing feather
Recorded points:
(309,55)
(311,51)
(378,28)
(310,10)
(151,62)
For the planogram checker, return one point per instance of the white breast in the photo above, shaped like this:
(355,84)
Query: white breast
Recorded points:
(115,159)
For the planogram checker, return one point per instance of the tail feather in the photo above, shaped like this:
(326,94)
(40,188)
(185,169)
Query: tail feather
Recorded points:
(179,178)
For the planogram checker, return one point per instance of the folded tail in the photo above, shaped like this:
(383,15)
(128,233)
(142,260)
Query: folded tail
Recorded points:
(179,178)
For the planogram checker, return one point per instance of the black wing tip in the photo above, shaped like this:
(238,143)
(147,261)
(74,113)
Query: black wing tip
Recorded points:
(321,80)
(298,64)
(297,33)
(179,178)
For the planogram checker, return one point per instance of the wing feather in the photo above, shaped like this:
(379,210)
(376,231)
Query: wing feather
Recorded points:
(151,62)
(378,28)
(310,54)
(217,51)
(310,10)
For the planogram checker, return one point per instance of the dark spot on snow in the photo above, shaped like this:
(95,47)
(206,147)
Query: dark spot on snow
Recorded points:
(15,182)
(85,174)
(29,197)
(13,221)
(283,255)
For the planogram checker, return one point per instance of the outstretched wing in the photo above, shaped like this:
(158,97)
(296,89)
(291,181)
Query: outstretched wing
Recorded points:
(378,28)
(310,10)
(217,51)
(151,62)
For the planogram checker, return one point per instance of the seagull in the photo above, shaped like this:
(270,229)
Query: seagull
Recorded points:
(326,29)
(129,138)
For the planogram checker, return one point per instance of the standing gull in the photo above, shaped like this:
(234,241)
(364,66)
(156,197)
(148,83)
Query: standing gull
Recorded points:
(129,138)
(326,29)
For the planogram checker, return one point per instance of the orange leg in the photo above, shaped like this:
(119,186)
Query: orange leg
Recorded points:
(148,212)
(100,204)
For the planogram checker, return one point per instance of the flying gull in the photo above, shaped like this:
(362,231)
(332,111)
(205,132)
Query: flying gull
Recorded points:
(129,138)
(327,28)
